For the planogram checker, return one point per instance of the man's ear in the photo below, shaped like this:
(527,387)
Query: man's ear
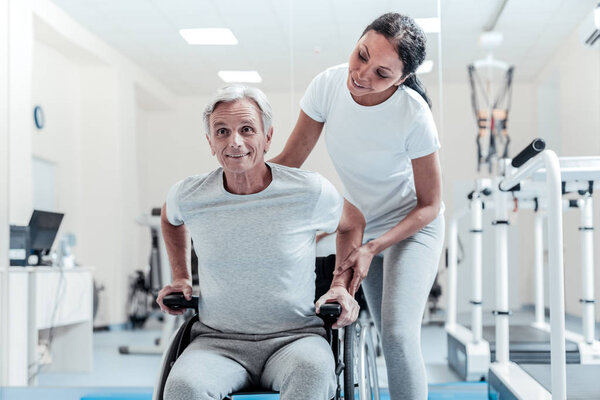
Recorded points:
(269,137)
(212,150)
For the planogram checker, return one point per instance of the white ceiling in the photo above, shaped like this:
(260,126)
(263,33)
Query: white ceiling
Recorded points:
(299,38)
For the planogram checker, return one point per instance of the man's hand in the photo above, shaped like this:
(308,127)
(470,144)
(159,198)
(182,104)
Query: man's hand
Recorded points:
(360,262)
(350,306)
(178,285)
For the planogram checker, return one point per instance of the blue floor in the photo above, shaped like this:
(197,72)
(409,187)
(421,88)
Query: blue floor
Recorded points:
(456,391)
(131,377)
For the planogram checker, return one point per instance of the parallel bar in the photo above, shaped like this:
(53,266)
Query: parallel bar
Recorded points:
(575,169)
(587,267)
(476,310)
(523,172)
(452,265)
(502,332)
(556,268)
(540,317)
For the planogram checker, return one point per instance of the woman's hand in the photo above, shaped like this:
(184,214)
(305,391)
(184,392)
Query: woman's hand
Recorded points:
(360,261)
(178,285)
(350,306)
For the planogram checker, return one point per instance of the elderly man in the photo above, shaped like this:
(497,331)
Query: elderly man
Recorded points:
(253,226)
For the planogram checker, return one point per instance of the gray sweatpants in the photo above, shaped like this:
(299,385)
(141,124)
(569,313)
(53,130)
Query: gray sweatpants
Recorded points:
(396,288)
(299,364)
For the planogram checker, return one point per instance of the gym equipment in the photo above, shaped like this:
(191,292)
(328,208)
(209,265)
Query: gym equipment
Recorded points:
(471,349)
(146,289)
(491,89)
(525,381)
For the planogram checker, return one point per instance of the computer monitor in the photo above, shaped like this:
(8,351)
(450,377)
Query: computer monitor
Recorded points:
(43,227)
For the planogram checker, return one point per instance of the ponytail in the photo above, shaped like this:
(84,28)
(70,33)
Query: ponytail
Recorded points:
(415,84)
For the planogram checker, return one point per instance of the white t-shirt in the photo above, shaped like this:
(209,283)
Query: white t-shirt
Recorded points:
(372,147)
(256,252)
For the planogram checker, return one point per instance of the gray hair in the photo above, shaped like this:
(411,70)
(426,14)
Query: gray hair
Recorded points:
(232,93)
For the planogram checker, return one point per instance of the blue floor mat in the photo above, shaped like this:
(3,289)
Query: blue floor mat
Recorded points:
(119,396)
(74,393)
(459,390)
(446,391)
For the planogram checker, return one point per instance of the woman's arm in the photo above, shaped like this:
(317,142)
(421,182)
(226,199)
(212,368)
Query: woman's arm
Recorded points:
(300,143)
(349,237)
(428,186)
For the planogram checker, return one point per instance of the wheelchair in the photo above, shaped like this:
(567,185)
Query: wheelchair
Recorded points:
(352,346)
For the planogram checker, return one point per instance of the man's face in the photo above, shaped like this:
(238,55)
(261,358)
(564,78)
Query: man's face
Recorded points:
(237,137)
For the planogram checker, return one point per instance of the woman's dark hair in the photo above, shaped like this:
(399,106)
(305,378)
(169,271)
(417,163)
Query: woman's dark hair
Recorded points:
(410,42)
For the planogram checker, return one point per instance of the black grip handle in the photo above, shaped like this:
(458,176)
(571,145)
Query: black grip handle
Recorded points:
(537,146)
(177,301)
(330,310)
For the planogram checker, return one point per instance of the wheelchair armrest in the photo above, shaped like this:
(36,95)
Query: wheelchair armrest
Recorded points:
(330,310)
(177,301)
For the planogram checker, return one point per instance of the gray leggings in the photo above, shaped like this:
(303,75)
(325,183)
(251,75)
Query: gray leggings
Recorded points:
(299,364)
(396,289)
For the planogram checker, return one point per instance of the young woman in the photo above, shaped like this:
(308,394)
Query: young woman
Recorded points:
(382,139)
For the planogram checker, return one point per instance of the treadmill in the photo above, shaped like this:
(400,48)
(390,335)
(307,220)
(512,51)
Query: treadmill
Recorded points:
(557,381)
(530,345)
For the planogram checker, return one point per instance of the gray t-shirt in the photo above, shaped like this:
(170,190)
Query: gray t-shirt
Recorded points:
(256,252)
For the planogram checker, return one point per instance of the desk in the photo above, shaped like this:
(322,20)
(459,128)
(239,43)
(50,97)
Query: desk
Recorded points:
(48,301)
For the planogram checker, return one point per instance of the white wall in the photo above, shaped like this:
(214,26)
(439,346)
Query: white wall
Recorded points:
(57,88)
(16,199)
(573,72)
(4,186)
(20,53)
(88,92)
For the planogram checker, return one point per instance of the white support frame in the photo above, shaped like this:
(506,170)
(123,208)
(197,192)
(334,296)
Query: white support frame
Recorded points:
(549,160)
(477,349)
(587,268)
(576,174)
(452,266)
(502,308)
(538,260)
(476,294)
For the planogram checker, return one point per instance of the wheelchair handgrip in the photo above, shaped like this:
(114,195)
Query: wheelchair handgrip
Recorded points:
(177,301)
(330,310)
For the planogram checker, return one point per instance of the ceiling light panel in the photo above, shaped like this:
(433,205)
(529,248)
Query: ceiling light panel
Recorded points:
(426,67)
(429,25)
(240,76)
(209,36)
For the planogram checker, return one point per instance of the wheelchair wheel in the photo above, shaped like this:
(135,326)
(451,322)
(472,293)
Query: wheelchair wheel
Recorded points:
(365,356)
(351,343)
